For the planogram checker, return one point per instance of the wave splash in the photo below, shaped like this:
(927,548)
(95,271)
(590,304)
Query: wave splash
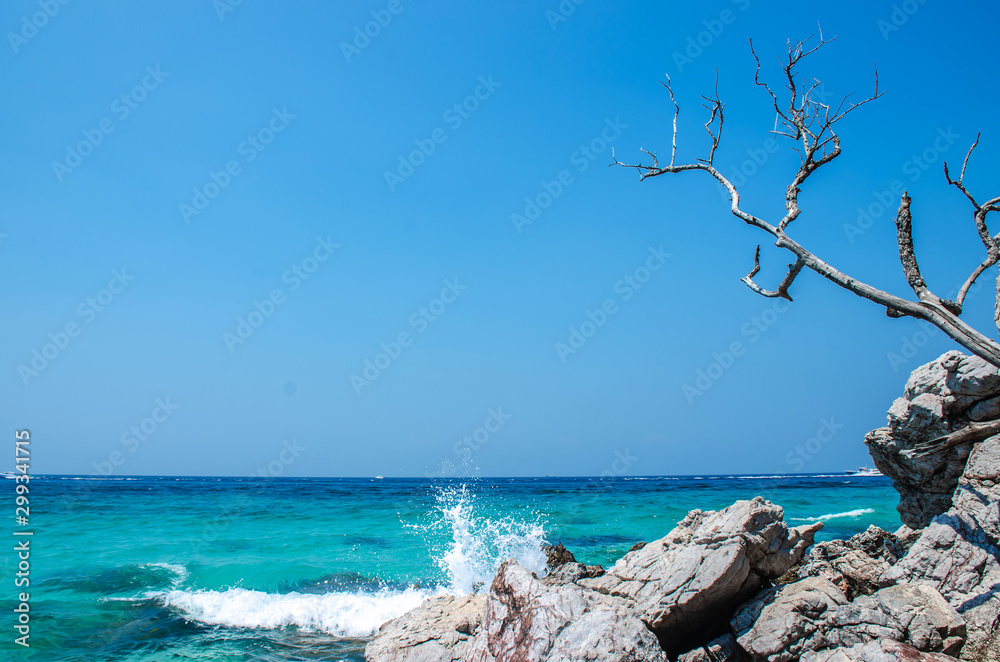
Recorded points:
(823,518)
(479,544)
(466,544)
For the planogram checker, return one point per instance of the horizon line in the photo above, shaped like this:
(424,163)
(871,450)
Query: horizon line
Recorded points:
(454,478)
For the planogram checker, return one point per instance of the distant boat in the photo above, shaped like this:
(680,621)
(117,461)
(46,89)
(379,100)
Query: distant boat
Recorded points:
(379,477)
(9,474)
(864,471)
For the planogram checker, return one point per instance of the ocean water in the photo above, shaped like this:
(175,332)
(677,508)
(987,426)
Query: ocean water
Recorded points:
(142,569)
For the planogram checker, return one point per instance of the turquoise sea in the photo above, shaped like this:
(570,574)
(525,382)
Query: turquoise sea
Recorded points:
(160,568)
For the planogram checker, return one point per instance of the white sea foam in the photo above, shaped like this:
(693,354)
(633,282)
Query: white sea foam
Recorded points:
(850,513)
(339,614)
(479,544)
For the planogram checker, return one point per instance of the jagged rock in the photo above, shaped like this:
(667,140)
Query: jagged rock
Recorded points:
(959,553)
(857,566)
(612,635)
(722,649)
(906,537)
(929,623)
(878,544)
(557,555)
(570,573)
(786,622)
(527,621)
(439,630)
(883,650)
(782,623)
(694,577)
(940,397)
(854,572)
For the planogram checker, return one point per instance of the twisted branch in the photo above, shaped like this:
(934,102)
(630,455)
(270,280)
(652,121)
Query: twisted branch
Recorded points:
(810,122)
(980,212)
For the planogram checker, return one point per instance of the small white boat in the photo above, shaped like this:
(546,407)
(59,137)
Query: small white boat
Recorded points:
(864,471)
(379,477)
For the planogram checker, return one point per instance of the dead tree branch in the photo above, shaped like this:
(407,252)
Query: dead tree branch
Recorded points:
(810,122)
(973,433)
(990,243)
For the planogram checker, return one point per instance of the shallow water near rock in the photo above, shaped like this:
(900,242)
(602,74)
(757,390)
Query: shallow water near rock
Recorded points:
(144,569)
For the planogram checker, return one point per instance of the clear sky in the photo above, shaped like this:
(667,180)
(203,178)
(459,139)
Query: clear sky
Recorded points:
(215,213)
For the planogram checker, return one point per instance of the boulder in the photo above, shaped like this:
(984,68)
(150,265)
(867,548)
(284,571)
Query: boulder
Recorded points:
(883,650)
(959,553)
(525,620)
(786,622)
(687,582)
(928,622)
(439,630)
(940,397)
(570,573)
(557,555)
(783,622)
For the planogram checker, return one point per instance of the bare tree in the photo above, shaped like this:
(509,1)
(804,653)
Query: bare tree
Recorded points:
(811,125)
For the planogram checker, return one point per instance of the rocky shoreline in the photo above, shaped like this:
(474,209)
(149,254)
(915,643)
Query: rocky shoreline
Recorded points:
(739,584)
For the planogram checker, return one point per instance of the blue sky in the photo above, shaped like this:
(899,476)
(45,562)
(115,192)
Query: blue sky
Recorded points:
(278,124)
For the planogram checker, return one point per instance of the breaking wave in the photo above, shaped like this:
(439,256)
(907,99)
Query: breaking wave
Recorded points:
(352,615)
(823,518)
(466,543)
